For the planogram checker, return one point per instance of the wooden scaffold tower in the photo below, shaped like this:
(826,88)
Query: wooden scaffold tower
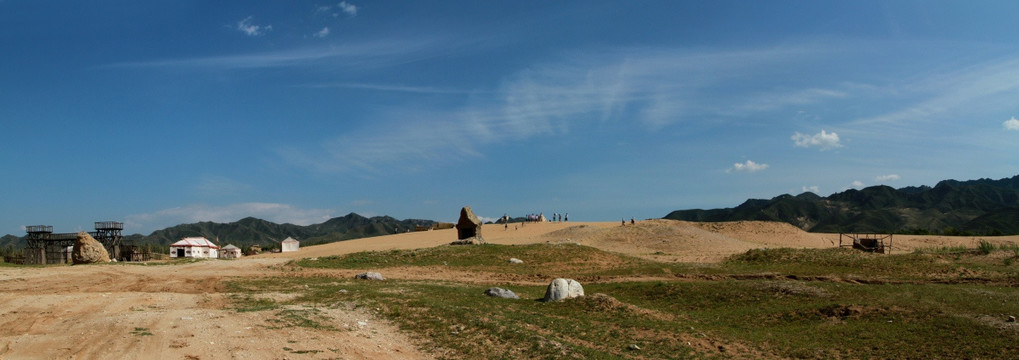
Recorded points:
(45,247)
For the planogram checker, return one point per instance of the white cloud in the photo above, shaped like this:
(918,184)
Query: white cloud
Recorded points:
(1011,124)
(889,177)
(824,140)
(367,54)
(748,166)
(322,33)
(245,26)
(856,184)
(215,185)
(278,213)
(348,8)
(813,189)
(345,7)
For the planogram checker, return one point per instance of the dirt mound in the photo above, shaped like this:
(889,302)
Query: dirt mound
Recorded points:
(605,303)
(657,239)
(768,233)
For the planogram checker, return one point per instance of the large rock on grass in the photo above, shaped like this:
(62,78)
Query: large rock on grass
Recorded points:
(88,251)
(468,229)
(561,289)
(371,275)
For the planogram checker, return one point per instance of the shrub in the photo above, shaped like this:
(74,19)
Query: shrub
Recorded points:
(986,247)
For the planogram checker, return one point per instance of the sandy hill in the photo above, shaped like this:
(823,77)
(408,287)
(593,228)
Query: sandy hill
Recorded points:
(662,240)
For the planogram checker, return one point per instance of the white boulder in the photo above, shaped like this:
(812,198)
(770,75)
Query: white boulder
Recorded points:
(560,289)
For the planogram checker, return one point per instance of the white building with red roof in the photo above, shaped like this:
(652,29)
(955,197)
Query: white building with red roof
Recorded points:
(194,247)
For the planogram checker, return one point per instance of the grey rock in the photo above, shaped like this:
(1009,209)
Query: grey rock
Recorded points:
(561,289)
(371,275)
(515,261)
(501,293)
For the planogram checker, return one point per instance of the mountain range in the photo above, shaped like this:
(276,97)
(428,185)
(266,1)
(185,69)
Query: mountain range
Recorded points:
(251,231)
(976,207)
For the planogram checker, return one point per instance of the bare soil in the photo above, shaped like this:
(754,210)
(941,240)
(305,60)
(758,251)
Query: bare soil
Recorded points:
(181,311)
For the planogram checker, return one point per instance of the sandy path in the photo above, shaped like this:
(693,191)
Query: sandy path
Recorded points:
(168,312)
(178,311)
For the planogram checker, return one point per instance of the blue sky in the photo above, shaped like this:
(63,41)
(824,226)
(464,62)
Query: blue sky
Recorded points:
(157,113)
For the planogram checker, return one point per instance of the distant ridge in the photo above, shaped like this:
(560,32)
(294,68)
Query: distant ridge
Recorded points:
(977,207)
(250,231)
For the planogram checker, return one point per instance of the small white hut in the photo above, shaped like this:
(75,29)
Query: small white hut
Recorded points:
(290,244)
(194,247)
(230,252)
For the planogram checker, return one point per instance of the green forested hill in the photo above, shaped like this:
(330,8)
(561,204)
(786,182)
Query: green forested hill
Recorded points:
(984,206)
(250,231)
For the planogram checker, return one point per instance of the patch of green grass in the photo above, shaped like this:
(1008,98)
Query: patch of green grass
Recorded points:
(941,250)
(764,318)
(140,331)
(777,303)
(303,317)
(852,265)
(542,260)
(248,303)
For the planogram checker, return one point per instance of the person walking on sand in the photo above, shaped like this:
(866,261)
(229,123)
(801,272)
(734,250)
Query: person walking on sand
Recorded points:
(631,221)
(623,221)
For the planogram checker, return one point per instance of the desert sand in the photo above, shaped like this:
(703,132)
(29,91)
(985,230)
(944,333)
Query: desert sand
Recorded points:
(181,311)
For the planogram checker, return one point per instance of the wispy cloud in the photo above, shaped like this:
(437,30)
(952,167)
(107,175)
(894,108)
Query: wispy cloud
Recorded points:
(216,185)
(774,100)
(248,28)
(748,166)
(322,33)
(813,189)
(650,88)
(335,10)
(946,95)
(433,137)
(1011,124)
(394,88)
(886,178)
(278,213)
(856,184)
(348,8)
(366,54)
(823,140)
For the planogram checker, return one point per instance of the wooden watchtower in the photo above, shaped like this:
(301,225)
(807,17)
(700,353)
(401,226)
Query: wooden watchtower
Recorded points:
(110,234)
(45,247)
